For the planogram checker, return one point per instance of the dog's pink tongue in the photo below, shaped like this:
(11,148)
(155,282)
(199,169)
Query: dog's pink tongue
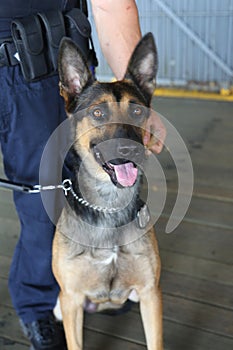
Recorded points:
(126,174)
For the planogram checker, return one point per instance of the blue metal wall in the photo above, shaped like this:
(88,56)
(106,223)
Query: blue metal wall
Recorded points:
(194,40)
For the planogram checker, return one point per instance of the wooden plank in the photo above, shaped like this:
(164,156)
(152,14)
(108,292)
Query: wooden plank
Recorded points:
(220,193)
(182,337)
(217,193)
(5,262)
(215,174)
(209,211)
(9,325)
(127,326)
(205,242)
(8,344)
(97,340)
(2,174)
(215,153)
(202,222)
(198,290)
(7,210)
(201,316)
(4,293)
(197,267)
(6,195)
(9,233)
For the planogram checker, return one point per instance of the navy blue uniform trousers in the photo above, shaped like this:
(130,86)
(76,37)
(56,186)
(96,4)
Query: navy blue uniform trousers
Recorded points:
(29,112)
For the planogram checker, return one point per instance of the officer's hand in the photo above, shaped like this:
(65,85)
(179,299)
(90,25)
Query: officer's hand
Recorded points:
(155,133)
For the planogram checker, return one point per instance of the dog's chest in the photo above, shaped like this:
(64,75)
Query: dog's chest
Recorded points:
(112,258)
(107,258)
(108,276)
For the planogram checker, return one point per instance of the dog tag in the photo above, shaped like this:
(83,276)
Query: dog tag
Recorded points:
(143,216)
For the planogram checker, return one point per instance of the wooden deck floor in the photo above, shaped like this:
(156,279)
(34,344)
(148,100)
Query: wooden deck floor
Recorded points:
(197,259)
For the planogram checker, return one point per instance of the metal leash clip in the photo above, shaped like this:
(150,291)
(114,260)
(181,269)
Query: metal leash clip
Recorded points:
(66,186)
(40,188)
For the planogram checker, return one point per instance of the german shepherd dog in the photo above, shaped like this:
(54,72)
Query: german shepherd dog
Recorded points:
(104,249)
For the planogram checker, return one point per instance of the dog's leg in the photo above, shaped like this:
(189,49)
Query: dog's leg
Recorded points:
(151,312)
(72,314)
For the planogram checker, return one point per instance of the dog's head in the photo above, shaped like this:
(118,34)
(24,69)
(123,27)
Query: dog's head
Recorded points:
(110,117)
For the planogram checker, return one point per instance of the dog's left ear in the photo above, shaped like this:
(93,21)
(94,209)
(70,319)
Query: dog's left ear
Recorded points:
(73,69)
(143,66)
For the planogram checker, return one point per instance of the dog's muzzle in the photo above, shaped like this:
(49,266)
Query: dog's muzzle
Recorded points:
(120,159)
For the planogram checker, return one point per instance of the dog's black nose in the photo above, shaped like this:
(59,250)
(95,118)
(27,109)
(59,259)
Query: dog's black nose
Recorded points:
(118,151)
(128,150)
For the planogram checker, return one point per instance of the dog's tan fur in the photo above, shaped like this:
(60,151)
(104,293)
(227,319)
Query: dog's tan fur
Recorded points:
(106,276)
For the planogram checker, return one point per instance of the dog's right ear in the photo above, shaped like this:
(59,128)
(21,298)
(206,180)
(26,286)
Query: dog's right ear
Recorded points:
(73,70)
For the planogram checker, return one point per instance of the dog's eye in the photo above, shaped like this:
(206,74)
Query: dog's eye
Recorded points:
(98,113)
(138,111)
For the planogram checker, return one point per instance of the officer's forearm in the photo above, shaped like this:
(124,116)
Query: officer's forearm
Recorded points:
(118,30)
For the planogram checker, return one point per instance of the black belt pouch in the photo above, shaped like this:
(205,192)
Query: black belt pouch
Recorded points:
(54,30)
(28,39)
(78,29)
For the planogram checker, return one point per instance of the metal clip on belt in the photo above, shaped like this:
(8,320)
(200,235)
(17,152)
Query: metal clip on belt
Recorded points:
(7,53)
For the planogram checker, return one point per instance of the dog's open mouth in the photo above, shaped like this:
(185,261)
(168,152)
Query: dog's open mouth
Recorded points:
(121,171)
(124,174)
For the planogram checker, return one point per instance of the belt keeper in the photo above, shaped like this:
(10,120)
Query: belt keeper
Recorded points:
(54,25)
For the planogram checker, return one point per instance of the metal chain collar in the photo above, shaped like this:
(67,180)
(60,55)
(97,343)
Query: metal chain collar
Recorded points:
(67,186)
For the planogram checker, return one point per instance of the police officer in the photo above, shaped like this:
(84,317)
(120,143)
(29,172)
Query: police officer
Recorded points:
(29,112)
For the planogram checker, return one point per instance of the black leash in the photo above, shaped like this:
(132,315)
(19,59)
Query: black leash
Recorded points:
(15,186)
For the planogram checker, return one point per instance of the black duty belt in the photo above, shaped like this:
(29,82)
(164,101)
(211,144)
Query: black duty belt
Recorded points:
(35,41)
